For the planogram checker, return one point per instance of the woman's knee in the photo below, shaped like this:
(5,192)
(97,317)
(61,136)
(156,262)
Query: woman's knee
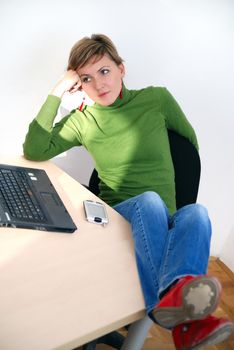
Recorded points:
(197,215)
(149,197)
(199,211)
(151,202)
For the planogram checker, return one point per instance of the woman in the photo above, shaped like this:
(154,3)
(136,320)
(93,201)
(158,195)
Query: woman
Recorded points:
(126,133)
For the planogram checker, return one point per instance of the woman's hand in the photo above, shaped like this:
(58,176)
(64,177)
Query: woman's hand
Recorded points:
(69,81)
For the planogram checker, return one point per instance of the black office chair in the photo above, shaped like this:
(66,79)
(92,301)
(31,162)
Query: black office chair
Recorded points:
(187,168)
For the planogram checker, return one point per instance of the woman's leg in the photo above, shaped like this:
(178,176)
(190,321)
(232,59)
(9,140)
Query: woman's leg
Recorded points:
(149,219)
(188,245)
(167,248)
(173,249)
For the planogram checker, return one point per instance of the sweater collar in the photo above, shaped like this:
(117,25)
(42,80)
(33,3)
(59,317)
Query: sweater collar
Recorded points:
(126,95)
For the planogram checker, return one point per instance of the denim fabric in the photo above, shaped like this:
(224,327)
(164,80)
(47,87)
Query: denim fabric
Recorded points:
(166,247)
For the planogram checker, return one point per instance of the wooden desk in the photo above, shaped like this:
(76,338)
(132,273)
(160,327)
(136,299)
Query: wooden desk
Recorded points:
(59,291)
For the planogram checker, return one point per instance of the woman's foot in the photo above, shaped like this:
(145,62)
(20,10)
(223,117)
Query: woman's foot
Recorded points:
(191,298)
(197,334)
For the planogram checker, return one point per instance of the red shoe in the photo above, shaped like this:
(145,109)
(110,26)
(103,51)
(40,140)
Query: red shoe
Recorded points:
(195,335)
(192,298)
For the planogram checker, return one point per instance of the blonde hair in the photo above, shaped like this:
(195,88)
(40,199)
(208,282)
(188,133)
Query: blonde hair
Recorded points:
(94,47)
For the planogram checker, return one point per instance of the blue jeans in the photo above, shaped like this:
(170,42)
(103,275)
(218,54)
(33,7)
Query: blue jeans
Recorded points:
(166,247)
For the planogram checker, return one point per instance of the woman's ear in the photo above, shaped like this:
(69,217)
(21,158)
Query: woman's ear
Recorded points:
(122,69)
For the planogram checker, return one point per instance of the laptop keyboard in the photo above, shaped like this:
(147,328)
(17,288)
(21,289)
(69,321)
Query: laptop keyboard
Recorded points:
(16,194)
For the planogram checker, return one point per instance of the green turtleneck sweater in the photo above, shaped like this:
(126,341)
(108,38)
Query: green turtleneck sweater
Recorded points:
(128,141)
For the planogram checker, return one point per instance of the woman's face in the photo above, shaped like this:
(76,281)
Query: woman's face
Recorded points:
(102,80)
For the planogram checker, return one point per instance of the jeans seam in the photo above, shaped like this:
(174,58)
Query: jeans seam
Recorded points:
(169,248)
(146,245)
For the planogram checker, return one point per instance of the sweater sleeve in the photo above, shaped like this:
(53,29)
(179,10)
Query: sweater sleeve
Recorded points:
(45,140)
(175,118)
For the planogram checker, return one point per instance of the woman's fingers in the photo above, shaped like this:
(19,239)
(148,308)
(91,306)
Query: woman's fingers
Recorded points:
(70,81)
(75,88)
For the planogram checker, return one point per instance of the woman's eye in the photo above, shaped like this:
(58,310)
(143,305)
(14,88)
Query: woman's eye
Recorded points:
(86,80)
(105,71)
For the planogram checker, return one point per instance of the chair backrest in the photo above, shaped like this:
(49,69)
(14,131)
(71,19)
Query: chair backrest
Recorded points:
(187,167)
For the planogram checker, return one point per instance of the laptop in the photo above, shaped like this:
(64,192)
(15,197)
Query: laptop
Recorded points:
(29,200)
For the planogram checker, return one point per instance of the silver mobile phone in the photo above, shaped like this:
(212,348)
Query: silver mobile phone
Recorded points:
(95,212)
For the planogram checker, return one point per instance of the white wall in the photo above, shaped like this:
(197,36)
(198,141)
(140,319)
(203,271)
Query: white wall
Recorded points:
(186,45)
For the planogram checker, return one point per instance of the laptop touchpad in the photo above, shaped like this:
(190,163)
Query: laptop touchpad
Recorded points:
(50,198)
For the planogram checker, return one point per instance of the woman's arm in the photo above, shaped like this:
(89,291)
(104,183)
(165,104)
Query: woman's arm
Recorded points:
(45,140)
(175,118)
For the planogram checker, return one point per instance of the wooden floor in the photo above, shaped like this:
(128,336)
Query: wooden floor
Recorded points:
(160,339)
